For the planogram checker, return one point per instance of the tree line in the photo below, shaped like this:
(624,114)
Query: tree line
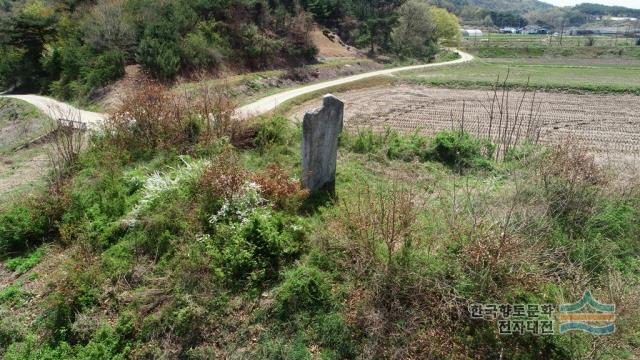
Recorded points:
(73,48)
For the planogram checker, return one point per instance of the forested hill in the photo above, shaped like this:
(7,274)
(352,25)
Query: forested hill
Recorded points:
(71,48)
(603,10)
(499,13)
(517,6)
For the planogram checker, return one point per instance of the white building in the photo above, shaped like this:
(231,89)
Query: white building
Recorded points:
(471,32)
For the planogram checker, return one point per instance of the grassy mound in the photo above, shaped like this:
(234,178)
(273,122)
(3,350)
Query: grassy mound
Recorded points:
(181,245)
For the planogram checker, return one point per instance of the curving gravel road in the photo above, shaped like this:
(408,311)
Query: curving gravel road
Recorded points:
(270,103)
(59,110)
(56,109)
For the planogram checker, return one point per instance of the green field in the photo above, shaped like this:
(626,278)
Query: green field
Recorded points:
(532,46)
(550,40)
(555,74)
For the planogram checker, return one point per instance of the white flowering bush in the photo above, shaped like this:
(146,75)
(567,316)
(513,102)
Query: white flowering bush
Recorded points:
(159,184)
(240,205)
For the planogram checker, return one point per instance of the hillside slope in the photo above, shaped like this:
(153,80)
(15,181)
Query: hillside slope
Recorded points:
(519,6)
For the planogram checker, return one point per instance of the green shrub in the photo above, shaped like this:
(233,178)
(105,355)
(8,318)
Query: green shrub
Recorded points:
(254,250)
(365,141)
(23,264)
(304,288)
(335,336)
(97,202)
(274,132)
(160,59)
(105,344)
(22,227)
(204,47)
(616,226)
(159,53)
(259,49)
(13,295)
(407,148)
(11,330)
(108,66)
(31,349)
(461,150)
(10,64)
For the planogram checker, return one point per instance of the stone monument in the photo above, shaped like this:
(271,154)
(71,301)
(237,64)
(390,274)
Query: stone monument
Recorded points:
(320,131)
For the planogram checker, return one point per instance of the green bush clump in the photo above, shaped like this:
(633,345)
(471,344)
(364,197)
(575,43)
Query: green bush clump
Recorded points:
(614,229)
(304,288)
(161,58)
(335,336)
(11,330)
(77,70)
(22,226)
(276,131)
(97,202)
(408,147)
(365,142)
(253,251)
(462,150)
(449,147)
(105,344)
(23,264)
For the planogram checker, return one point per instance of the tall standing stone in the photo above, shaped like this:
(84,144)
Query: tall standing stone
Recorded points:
(320,131)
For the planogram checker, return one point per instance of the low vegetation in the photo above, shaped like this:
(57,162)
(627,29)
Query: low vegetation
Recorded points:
(188,235)
(23,160)
(543,74)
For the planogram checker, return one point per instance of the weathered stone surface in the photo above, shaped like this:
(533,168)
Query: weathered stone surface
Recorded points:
(320,131)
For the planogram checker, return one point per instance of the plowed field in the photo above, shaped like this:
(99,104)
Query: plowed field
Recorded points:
(608,125)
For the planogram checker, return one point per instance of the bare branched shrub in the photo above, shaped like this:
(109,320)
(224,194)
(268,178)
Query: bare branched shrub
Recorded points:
(223,178)
(572,162)
(374,218)
(397,302)
(513,120)
(67,141)
(153,117)
(277,186)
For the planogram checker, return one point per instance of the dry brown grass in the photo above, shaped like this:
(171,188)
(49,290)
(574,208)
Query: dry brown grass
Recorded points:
(572,181)
(396,306)
(378,217)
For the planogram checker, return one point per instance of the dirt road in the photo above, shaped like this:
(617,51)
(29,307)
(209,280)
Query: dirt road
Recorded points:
(59,110)
(270,103)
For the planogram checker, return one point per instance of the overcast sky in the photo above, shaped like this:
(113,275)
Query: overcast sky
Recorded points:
(628,3)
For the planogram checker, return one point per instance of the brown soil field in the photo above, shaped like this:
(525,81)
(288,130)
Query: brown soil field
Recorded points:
(607,125)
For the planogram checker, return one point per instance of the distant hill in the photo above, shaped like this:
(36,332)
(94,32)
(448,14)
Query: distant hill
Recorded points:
(517,6)
(603,10)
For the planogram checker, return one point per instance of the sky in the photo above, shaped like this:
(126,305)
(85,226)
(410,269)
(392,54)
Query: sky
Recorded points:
(635,4)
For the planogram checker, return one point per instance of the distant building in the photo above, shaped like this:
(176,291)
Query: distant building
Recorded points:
(509,30)
(534,30)
(615,18)
(583,32)
(471,32)
(597,31)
